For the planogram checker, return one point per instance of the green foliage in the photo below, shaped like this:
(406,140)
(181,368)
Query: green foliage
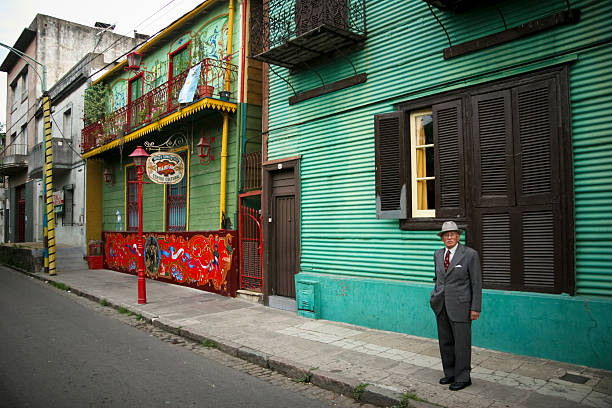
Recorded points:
(103,302)
(139,317)
(406,397)
(59,285)
(358,391)
(123,310)
(305,378)
(209,343)
(94,107)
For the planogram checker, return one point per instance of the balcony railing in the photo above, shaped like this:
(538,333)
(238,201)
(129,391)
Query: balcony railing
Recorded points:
(62,157)
(291,33)
(160,102)
(14,158)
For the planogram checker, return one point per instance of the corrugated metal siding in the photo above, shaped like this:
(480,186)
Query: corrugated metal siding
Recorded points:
(591,98)
(403,60)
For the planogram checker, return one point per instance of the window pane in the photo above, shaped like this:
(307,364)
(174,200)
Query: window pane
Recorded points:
(431,195)
(180,61)
(136,91)
(427,123)
(429,161)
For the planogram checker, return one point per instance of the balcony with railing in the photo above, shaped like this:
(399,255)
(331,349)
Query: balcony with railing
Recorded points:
(216,76)
(14,159)
(291,33)
(62,157)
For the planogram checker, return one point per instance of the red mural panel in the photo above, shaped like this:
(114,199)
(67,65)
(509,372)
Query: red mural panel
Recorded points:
(203,260)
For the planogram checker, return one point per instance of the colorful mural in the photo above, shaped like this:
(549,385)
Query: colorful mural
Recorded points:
(203,260)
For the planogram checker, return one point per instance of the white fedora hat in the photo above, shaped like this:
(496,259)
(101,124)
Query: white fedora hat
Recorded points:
(449,226)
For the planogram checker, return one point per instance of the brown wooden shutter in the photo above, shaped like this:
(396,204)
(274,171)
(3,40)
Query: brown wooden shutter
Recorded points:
(449,164)
(492,130)
(493,186)
(391,164)
(537,175)
(516,187)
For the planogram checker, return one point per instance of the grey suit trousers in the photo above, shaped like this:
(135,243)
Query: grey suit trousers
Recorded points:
(455,340)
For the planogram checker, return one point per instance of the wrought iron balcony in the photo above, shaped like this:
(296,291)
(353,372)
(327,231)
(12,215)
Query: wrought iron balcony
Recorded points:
(291,33)
(160,102)
(62,157)
(14,159)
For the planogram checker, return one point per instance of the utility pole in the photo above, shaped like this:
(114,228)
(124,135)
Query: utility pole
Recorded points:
(48,215)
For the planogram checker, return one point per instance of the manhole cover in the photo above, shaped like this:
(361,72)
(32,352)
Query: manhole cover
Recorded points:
(573,378)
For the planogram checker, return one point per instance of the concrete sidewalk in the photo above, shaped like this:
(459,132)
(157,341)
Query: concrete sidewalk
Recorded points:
(340,356)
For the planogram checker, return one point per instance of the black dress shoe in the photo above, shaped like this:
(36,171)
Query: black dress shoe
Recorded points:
(456,386)
(447,380)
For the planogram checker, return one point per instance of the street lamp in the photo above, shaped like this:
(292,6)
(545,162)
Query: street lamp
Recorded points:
(140,158)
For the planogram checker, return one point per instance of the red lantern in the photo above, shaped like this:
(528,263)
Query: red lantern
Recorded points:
(134,59)
(109,177)
(206,155)
(139,156)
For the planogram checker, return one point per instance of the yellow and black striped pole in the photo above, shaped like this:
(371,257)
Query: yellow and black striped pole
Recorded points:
(50,264)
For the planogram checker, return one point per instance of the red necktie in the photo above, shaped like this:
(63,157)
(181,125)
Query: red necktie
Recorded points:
(446,260)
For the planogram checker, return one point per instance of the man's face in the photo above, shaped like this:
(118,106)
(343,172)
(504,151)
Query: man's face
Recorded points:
(450,239)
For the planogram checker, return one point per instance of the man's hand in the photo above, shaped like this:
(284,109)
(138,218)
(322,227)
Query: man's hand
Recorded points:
(474,315)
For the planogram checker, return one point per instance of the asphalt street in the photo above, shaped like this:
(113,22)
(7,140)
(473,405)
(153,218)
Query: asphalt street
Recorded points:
(56,352)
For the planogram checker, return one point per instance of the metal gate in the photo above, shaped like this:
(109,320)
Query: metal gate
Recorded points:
(249,236)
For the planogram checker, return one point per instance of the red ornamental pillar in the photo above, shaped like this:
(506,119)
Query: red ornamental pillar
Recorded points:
(142,290)
(140,158)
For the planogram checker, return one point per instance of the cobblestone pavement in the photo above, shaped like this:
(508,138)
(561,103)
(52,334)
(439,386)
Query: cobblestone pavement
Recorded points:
(304,388)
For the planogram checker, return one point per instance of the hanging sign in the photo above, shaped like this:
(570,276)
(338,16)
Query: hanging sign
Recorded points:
(58,202)
(165,168)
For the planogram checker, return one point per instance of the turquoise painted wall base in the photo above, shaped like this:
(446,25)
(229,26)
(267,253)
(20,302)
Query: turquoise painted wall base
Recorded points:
(576,329)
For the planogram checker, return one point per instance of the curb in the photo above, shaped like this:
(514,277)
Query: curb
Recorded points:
(370,394)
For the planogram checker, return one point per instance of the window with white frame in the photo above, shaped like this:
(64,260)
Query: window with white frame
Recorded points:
(422,174)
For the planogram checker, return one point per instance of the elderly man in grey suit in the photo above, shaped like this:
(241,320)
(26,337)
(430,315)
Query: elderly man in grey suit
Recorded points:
(456,301)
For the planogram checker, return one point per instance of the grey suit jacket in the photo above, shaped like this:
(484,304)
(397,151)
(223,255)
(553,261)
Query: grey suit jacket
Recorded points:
(459,288)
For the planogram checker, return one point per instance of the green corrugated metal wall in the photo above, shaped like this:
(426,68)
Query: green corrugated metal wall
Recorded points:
(403,60)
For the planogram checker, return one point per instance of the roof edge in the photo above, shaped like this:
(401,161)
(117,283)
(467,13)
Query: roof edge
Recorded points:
(25,38)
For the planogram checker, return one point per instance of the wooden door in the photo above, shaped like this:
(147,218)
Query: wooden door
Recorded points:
(284,228)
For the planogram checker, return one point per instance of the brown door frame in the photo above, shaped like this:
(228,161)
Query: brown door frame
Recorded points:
(268,168)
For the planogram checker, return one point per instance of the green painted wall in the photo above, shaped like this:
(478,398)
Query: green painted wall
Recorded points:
(204,183)
(340,235)
(558,327)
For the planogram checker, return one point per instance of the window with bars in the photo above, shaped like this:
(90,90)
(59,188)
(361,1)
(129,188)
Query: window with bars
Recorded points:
(176,201)
(131,223)
(498,157)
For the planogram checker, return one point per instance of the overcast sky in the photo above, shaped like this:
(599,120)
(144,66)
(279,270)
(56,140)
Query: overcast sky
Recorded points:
(145,17)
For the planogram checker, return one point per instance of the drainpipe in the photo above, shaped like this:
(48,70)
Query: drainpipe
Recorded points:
(230,39)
